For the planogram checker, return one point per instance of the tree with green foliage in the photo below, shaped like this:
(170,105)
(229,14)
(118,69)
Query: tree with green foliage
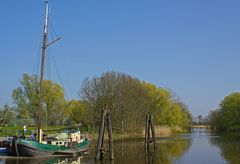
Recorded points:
(226,118)
(54,102)
(119,93)
(77,112)
(167,110)
(29,107)
(7,115)
(26,99)
(129,100)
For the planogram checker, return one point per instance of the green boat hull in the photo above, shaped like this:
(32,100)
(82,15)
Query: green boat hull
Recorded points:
(32,148)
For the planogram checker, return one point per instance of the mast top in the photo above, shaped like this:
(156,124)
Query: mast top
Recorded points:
(46,18)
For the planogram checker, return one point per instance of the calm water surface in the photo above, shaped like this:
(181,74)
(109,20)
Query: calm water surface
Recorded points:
(199,147)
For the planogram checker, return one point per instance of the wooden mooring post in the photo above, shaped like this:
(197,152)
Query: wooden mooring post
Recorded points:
(105,122)
(149,130)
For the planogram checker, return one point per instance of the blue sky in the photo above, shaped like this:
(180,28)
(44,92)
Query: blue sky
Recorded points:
(191,46)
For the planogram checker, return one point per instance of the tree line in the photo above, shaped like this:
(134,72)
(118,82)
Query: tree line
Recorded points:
(128,99)
(54,109)
(226,117)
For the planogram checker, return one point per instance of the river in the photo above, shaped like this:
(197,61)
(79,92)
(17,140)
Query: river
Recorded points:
(201,146)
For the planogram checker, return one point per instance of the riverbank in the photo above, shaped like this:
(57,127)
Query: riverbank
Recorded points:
(11,131)
(199,146)
(160,132)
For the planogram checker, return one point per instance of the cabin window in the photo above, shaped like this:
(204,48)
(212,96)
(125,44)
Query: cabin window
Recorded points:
(56,143)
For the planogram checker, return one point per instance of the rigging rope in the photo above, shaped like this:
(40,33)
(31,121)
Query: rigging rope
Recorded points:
(37,60)
(57,71)
(49,59)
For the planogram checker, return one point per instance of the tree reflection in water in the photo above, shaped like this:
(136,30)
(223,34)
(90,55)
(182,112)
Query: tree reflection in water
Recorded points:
(229,145)
(171,150)
(42,160)
(132,151)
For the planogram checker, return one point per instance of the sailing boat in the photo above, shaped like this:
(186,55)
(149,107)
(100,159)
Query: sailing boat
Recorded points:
(66,143)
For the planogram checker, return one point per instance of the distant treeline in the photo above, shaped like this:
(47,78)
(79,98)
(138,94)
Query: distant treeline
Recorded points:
(227,117)
(129,100)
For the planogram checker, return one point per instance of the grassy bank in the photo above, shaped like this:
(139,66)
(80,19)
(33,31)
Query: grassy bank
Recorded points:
(160,132)
(8,131)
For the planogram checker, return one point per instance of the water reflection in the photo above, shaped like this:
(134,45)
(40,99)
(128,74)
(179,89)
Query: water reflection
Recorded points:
(229,145)
(132,151)
(42,160)
(150,157)
(62,160)
(200,146)
(170,150)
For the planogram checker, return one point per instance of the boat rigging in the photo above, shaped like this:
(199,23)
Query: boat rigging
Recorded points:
(44,47)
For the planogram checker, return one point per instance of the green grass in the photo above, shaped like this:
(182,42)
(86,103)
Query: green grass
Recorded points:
(18,130)
(13,131)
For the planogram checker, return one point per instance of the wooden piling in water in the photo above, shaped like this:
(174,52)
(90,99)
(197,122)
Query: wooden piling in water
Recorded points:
(109,123)
(149,130)
(105,122)
(146,132)
(101,134)
(102,147)
(153,131)
(122,131)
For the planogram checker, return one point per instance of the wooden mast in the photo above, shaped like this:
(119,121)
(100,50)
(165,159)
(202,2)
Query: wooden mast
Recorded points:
(44,47)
